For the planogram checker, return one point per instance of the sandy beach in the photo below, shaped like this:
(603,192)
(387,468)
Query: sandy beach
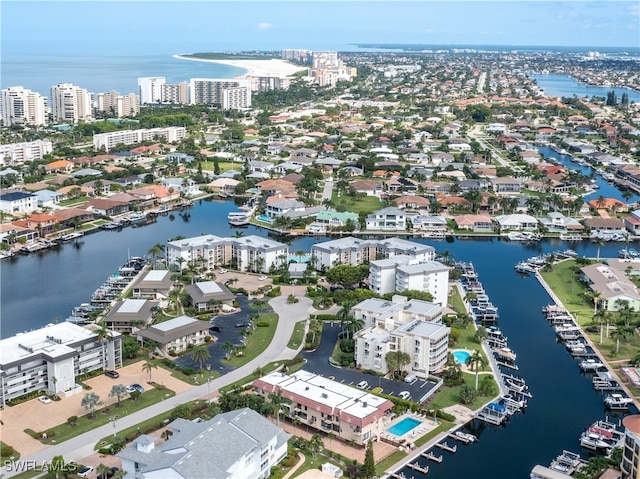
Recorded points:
(271,67)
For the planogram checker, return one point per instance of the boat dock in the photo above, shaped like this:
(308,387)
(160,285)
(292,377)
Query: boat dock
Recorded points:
(432,457)
(447,447)
(417,467)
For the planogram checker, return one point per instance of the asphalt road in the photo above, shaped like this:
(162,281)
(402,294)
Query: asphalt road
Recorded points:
(77,448)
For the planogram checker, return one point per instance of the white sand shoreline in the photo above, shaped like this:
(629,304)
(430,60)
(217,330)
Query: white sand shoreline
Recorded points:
(272,67)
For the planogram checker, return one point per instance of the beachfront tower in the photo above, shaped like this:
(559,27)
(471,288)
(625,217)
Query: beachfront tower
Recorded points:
(70,103)
(150,89)
(22,107)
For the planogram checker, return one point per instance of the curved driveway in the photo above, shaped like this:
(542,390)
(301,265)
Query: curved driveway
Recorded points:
(79,447)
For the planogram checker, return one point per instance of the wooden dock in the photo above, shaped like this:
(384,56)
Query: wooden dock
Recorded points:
(466,440)
(417,467)
(447,447)
(431,456)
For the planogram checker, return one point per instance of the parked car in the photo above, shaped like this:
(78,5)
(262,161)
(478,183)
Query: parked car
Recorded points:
(215,329)
(223,271)
(111,373)
(134,387)
(44,399)
(404,395)
(262,277)
(85,471)
(110,473)
(243,325)
(363,384)
(410,378)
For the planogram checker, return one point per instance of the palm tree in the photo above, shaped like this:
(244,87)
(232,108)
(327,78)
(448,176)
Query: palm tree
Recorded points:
(102,336)
(315,444)
(227,347)
(118,390)
(147,366)
(354,324)
(102,470)
(617,333)
(90,401)
(344,314)
(201,354)
(476,361)
(277,400)
(156,250)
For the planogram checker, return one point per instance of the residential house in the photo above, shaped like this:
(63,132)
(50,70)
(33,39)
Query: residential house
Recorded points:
(612,285)
(275,206)
(335,219)
(604,225)
(185,186)
(389,218)
(475,223)
(368,187)
(18,202)
(176,335)
(413,202)
(238,444)
(48,198)
(632,223)
(506,185)
(556,222)
(517,222)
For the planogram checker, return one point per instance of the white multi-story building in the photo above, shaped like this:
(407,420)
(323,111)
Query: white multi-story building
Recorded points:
(70,103)
(354,251)
(21,106)
(266,83)
(225,93)
(170,134)
(349,413)
(390,218)
(237,444)
(630,466)
(50,358)
(18,153)
(18,202)
(402,273)
(119,105)
(247,253)
(151,89)
(176,93)
(411,326)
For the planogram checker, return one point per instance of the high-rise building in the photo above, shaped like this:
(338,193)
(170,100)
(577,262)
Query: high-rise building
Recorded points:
(70,103)
(296,55)
(631,448)
(108,141)
(151,89)
(18,153)
(119,105)
(227,94)
(22,107)
(177,93)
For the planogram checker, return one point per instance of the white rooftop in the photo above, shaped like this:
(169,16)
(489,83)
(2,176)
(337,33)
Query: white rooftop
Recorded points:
(209,287)
(131,305)
(156,275)
(174,323)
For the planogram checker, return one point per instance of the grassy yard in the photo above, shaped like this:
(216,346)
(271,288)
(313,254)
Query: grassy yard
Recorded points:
(368,204)
(223,165)
(62,432)
(257,341)
(456,303)
(314,463)
(564,283)
(297,337)
(448,396)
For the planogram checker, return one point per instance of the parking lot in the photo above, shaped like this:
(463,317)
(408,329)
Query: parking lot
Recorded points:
(318,363)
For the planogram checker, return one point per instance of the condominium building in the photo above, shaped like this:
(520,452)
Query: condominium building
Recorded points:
(50,358)
(170,134)
(630,466)
(151,89)
(247,253)
(266,83)
(402,273)
(176,93)
(411,326)
(297,55)
(238,444)
(119,105)
(354,251)
(333,407)
(21,106)
(224,93)
(70,103)
(18,153)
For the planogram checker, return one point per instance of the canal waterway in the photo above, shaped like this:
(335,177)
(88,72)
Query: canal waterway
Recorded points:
(40,287)
(565,86)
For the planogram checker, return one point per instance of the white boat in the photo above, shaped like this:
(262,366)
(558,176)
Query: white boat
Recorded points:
(71,236)
(239,218)
(617,401)
(466,437)
(595,442)
(590,364)
(524,236)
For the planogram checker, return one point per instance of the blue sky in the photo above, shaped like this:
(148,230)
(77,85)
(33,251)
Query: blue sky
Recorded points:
(185,27)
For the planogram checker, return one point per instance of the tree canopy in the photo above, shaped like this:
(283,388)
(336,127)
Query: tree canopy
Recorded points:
(347,275)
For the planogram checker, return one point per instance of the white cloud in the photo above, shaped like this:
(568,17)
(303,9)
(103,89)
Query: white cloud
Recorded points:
(264,26)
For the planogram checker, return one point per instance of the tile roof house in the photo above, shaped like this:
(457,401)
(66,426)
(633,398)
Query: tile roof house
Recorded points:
(232,445)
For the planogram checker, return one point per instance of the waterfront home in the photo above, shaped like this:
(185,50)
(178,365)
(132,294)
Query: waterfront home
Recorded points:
(412,326)
(336,219)
(224,185)
(208,296)
(279,187)
(632,223)
(129,315)
(609,204)
(234,444)
(475,223)
(389,218)
(413,202)
(613,286)
(276,206)
(516,222)
(154,284)
(185,186)
(349,413)
(556,222)
(11,234)
(176,335)
(429,223)
(401,273)
(106,207)
(48,359)
(44,224)
(18,202)
(604,225)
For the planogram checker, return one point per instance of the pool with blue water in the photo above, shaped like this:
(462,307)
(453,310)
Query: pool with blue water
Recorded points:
(404,426)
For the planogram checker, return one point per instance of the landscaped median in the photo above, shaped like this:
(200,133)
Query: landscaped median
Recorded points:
(77,425)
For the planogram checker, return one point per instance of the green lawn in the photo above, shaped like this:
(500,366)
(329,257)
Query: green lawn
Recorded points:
(367,205)
(8,452)
(448,396)
(64,431)
(223,165)
(298,335)
(313,463)
(257,341)
(456,303)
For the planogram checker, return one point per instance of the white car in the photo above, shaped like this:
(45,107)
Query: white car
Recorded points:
(44,399)
(85,471)
(223,271)
(263,277)
(410,378)
(363,385)
(404,395)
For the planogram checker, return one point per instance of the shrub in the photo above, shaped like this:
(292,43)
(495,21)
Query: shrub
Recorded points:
(6,451)
(72,420)
(274,293)
(263,324)
(188,371)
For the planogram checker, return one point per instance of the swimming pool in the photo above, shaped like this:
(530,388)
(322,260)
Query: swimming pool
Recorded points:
(264,218)
(404,426)
(461,356)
